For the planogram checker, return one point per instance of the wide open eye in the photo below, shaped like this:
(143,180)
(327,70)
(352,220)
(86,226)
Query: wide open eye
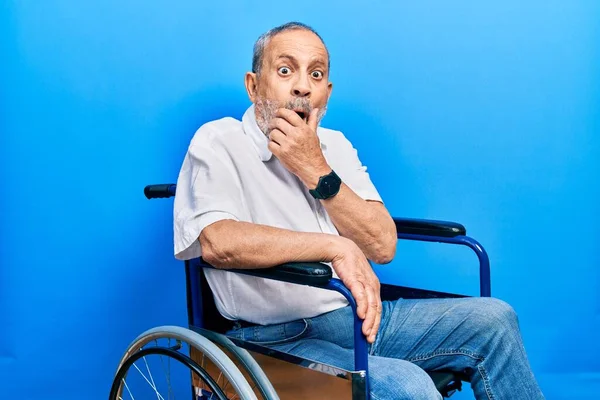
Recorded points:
(317,74)
(284,71)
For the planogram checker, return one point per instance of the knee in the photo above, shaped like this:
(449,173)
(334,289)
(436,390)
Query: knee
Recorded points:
(494,315)
(403,381)
(500,312)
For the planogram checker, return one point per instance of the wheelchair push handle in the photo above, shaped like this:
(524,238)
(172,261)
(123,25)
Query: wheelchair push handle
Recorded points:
(160,191)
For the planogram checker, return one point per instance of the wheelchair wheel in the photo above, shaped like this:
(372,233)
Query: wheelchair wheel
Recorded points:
(171,362)
(248,365)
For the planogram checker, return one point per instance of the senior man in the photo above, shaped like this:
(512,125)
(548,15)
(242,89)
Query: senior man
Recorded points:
(276,187)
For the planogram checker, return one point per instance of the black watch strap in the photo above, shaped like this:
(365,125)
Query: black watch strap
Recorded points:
(328,186)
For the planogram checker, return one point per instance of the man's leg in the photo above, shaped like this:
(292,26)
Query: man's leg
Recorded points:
(479,336)
(389,378)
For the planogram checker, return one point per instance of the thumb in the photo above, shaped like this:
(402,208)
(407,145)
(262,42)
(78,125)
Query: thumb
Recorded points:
(313,120)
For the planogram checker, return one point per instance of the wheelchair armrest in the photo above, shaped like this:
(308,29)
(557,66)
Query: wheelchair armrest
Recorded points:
(302,273)
(427,227)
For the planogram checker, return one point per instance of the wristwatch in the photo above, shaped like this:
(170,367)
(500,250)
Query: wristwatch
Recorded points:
(328,186)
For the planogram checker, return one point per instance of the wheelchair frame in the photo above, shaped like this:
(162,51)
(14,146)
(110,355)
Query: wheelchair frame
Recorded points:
(204,318)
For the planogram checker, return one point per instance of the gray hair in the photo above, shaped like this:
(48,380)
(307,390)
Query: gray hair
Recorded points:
(263,40)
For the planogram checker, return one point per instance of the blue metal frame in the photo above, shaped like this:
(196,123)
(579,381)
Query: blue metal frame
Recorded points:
(361,349)
(485,286)
(192,271)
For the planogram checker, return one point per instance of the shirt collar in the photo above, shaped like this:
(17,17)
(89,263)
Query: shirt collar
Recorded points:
(259,139)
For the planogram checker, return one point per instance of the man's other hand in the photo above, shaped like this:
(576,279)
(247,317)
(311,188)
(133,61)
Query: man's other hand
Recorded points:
(355,271)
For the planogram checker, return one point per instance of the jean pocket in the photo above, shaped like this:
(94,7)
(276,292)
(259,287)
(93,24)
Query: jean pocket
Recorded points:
(273,334)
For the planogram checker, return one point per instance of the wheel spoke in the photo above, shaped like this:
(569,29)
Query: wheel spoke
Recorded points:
(225,382)
(203,365)
(129,391)
(167,372)
(158,395)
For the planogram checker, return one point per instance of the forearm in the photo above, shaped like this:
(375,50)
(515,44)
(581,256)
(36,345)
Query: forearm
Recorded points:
(231,244)
(366,223)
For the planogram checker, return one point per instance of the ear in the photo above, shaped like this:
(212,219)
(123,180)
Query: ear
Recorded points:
(251,82)
(329,89)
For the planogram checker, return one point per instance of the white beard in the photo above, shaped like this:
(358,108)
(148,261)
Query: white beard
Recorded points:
(266,110)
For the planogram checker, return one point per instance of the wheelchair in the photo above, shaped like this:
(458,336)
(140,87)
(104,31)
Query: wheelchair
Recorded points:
(202,362)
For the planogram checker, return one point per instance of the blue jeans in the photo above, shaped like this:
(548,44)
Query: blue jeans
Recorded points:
(477,336)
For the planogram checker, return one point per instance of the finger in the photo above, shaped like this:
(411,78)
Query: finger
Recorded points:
(313,119)
(377,323)
(282,124)
(376,286)
(274,148)
(290,116)
(277,136)
(360,296)
(371,311)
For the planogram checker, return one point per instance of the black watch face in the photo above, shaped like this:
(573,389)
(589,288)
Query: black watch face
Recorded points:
(329,186)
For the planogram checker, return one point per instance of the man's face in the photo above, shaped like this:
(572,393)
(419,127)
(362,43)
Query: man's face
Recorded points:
(294,75)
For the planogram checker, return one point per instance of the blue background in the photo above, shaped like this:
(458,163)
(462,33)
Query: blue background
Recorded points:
(488,114)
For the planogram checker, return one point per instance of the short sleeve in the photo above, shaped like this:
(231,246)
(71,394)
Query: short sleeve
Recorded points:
(345,162)
(207,191)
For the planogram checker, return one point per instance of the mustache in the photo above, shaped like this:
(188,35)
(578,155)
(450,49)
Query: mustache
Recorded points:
(267,108)
(299,104)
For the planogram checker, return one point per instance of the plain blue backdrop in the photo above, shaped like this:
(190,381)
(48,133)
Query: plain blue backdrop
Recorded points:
(487,114)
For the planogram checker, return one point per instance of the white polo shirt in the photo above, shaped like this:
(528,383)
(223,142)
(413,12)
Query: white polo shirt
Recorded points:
(229,173)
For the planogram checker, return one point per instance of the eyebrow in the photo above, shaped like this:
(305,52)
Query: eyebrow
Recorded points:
(318,60)
(291,58)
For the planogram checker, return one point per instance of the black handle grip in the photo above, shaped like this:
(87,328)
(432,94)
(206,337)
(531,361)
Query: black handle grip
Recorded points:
(160,191)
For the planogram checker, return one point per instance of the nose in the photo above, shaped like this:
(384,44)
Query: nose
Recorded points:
(301,87)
